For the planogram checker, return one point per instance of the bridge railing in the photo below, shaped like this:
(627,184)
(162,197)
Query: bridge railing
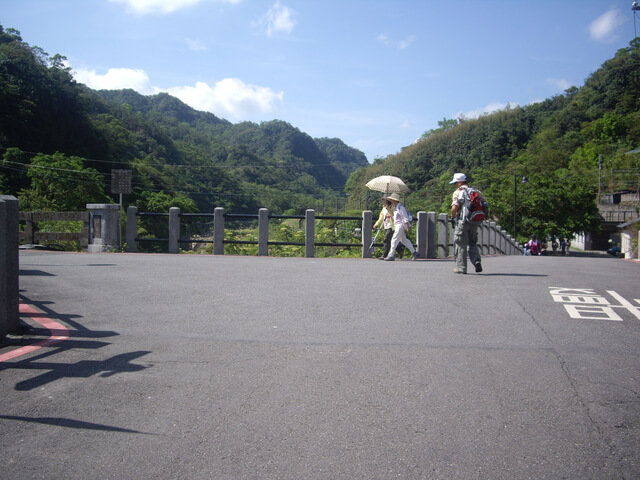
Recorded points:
(434,235)
(32,234)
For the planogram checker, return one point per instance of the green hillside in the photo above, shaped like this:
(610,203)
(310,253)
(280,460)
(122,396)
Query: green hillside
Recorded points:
(556,144)
(56,134)
(59,141)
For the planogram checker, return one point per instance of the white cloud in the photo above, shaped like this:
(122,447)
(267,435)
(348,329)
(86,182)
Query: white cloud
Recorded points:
(491,108)
(229,98)
(559,83)
(162,6)
(279,19)
(195,45)
(603,28)
(400,44)
(115,79)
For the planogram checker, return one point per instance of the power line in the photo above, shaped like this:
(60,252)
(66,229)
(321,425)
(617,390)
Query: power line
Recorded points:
(140,186)
(133,162)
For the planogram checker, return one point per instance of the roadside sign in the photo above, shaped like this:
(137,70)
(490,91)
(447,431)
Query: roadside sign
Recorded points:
(120,181)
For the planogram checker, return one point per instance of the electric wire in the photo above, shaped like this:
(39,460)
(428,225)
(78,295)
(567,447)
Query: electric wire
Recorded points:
(134,162)
(142,186)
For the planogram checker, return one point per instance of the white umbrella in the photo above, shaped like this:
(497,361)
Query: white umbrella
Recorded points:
(387,184)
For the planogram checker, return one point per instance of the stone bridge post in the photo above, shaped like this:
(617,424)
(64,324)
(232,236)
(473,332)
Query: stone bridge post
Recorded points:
(310,232)
(367,237)
(9,266)
(104,227)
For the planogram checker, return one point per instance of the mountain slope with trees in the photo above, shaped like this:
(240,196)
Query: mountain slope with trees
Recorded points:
(55,132)
(556,144)
(55,129)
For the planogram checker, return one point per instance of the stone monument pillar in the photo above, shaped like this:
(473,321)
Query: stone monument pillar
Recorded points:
(104,227)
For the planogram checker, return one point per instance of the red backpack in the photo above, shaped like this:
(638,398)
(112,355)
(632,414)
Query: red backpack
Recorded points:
(474,210)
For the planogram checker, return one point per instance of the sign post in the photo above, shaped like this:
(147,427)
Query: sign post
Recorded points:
(120,183)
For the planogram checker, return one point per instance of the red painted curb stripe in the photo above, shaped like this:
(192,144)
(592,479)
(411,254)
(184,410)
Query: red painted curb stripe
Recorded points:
(58,331)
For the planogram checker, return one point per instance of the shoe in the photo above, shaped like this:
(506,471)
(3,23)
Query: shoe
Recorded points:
(389,259)
(415,255)
(478,266)
(457,270)
(380,258)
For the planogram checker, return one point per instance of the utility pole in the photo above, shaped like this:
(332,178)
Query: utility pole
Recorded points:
(599,179)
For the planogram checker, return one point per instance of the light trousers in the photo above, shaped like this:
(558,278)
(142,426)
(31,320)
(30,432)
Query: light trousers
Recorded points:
(400,237)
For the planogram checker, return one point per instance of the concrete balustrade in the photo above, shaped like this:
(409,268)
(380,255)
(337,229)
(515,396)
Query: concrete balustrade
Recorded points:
(434,234)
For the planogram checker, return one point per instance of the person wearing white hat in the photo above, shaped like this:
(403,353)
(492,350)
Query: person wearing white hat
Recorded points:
(402,225)
(465,235)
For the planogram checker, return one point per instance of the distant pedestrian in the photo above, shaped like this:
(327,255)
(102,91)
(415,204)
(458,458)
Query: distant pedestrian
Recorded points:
(533,245)
(385,221)
(465,236)
(402,226)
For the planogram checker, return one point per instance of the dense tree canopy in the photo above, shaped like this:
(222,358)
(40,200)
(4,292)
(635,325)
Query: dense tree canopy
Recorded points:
(169,146)
(556,144)
(60,183)
(55,132)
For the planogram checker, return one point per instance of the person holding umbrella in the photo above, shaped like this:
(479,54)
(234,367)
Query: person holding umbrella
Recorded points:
(402,225)
(385,220)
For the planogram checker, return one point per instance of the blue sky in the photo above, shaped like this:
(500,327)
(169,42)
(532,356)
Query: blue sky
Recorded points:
(375,73)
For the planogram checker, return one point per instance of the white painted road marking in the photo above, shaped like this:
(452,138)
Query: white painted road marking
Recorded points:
(585,303)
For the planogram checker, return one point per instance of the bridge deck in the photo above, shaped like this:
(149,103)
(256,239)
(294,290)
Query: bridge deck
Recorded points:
(202,367)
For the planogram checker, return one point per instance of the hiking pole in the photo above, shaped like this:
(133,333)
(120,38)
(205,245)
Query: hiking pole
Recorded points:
(374,240)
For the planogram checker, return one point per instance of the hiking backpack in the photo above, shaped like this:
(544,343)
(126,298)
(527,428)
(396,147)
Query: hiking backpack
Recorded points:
(474,210)
(409,217)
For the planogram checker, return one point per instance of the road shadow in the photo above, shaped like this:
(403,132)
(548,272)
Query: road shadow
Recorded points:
(83,369)
(32,273)
(79,337)
(70,423)
(512,274)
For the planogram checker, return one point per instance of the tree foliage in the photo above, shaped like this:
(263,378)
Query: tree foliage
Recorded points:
(169,146)
(556,144)
(59,141)
(60,183)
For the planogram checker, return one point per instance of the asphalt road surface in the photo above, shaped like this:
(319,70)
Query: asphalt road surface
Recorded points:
(208,367)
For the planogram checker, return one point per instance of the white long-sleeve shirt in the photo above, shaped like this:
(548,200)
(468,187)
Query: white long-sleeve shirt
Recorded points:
(400,216)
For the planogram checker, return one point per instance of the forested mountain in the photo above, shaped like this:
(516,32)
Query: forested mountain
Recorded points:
(555,144)
(56,134)
(59,141)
